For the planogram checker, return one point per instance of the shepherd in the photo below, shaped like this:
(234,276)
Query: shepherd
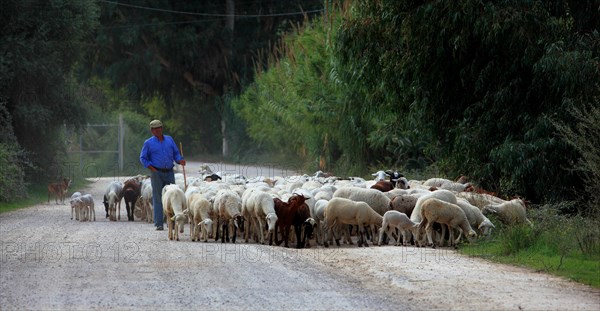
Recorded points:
(158,154)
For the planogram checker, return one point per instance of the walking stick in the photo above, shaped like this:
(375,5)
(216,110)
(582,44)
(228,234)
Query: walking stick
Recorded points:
(183,167)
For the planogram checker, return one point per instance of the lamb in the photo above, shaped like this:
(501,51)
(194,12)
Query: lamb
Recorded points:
(112,200)
(229,204)
(475,217)
(73,207)
(146,200)
(131,192)
(345,211)
(85,207)
(435,210)
(510,212)
(393,220)
(200,214)
(174,203)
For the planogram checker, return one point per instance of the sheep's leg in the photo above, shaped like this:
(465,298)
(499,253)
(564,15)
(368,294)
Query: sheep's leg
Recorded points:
(260,231)
(460,232)
(393,234)
(297,231)
(429,232)
(276,236)
(175,230)
(347,231)
(286,236)
(193,232)
(381,234)
(224,231)
(442,235)
(234,234)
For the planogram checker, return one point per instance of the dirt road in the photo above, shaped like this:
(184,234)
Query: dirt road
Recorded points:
(49,261)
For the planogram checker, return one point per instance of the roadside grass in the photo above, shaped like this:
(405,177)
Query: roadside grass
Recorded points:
(38,193)
(565,246)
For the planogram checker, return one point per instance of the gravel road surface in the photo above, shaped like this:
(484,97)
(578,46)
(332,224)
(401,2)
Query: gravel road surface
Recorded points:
(48,261)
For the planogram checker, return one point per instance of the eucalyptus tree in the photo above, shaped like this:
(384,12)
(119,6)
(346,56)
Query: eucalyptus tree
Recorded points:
(477,82)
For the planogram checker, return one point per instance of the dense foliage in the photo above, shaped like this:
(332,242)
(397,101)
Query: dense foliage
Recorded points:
(469,87)
(40,42)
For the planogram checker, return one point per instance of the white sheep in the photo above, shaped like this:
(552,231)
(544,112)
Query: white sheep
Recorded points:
(444,195)
(200,214)
(480,200)
(229,206)
(318,214)
(511,212)
(88,207)
(73,207)
(397,220)
(344,211)
(263,209)
(380,175)
(475,217)
(449,214)
(376,199)
(174,203)
(112,200)
(146,199)
(442,183)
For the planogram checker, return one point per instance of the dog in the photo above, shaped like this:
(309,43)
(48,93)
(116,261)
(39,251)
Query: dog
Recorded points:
(59,190)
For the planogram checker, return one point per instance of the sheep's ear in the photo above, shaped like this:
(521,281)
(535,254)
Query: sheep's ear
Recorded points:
(374,174)
(173,218)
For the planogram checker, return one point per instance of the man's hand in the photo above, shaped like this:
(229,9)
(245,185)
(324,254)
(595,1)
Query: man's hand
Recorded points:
(182,162)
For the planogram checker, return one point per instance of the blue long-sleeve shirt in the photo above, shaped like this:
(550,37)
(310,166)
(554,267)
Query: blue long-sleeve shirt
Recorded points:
(160,154)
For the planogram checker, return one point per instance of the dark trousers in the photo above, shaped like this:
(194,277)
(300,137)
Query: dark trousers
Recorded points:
(158,180)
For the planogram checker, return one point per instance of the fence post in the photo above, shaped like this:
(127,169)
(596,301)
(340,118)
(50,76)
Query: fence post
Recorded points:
(121,134)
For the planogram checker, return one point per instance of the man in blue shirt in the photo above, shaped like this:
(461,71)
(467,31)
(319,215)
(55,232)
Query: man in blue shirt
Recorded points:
(158,154)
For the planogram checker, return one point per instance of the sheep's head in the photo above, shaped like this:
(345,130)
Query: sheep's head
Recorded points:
(180,218)
(309,225)
(486,227)
(271,219)
(380,175)
(238,221)
(472,234)
(207,225)
(402,183)
(488,210)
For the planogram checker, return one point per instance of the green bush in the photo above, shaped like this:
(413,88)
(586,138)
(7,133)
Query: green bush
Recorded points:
(12,176)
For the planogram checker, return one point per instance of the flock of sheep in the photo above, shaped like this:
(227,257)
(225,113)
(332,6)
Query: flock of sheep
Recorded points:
(318,208)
